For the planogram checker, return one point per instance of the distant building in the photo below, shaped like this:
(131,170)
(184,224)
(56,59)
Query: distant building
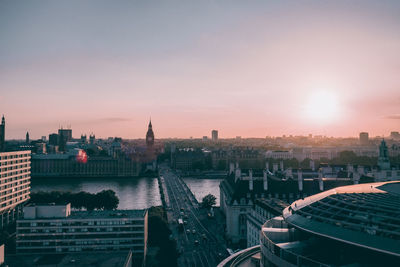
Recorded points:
(92,139)
(15,179)
(70,165)
(205,138)
(395,135)
(383,159)
(364,138)
(66,133)
(49,229)
(83,138)
(2,134)
(27,138)
(214,135)
(53,139)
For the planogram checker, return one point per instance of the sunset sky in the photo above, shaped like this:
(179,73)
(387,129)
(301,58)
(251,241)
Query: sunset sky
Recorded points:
(248,68)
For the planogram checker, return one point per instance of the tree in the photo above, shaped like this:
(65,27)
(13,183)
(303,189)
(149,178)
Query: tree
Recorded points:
(107,200)
(209,201)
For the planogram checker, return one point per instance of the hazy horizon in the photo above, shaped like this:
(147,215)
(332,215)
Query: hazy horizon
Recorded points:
(245,68)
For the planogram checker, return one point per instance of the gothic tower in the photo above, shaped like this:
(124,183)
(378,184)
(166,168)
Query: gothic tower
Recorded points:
(150,136)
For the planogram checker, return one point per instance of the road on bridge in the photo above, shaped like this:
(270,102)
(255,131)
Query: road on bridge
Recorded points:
(197,240)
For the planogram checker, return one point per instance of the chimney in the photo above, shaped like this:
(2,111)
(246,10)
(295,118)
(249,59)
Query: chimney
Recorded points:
(320,181)
(274,167)
(312,165)
(356,177)
(265,180)
(231,168)
(238,174)
(300,179)
(251,180)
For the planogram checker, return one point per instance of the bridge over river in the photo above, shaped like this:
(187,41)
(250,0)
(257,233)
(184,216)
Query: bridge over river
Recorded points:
(201,239)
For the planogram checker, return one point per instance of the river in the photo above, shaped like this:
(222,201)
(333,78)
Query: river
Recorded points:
(135,193)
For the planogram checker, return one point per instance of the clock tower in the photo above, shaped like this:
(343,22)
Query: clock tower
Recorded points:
(150,136)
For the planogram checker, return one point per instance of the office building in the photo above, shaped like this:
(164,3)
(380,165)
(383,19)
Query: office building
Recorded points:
(15,179)
(214,135)
(53,229)
(364,138)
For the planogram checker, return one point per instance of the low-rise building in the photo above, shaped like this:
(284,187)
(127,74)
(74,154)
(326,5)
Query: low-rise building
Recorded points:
(50,229)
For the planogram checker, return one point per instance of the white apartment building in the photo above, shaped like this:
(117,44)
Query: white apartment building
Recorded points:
(15,179)
(53,229)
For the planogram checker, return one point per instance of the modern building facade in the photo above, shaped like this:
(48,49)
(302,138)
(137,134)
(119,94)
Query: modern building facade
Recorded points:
(53,229)
(355,225)
(15,179)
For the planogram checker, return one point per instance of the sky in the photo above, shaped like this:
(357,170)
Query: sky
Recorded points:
(245,68)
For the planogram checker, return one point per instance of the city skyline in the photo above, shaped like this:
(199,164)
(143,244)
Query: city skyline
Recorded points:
(264,69)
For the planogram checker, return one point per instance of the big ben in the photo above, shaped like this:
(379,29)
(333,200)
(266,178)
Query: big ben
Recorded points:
(150,136)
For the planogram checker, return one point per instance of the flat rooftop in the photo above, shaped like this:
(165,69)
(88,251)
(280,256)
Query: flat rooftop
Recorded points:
(103,259)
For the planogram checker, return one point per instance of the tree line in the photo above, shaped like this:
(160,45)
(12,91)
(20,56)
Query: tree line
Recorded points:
(104,200)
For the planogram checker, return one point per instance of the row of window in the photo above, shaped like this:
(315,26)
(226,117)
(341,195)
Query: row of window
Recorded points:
(16,156)
(68,223)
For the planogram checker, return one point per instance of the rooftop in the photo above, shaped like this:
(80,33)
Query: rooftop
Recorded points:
(366,215)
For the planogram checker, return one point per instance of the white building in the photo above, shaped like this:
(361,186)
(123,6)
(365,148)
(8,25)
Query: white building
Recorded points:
(15,179)
(55,229)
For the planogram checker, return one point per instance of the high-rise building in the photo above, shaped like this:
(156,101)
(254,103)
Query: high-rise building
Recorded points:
(364,138)
(66,133)
(27,138)
(150,136)
(214,135)
(2,134)
(15,179)
(53,139)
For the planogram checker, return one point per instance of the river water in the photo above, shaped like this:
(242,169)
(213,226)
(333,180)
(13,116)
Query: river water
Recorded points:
(133,193)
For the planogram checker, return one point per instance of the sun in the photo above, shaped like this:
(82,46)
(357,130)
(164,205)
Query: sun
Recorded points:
(322,107)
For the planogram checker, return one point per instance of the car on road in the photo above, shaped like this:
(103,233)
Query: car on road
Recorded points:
(196,242)
(204,236)
(193,231)
(188,231)
(184,222)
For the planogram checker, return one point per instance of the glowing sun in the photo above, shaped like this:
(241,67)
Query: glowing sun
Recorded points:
(322,107)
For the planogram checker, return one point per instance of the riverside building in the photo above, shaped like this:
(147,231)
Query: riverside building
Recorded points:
(15,179)
(51,229)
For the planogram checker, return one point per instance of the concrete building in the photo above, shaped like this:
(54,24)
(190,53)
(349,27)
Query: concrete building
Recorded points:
(70,165)
(15,179)
(214,135)
(239,191)
(364,138)
(53,229)
(263,210)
